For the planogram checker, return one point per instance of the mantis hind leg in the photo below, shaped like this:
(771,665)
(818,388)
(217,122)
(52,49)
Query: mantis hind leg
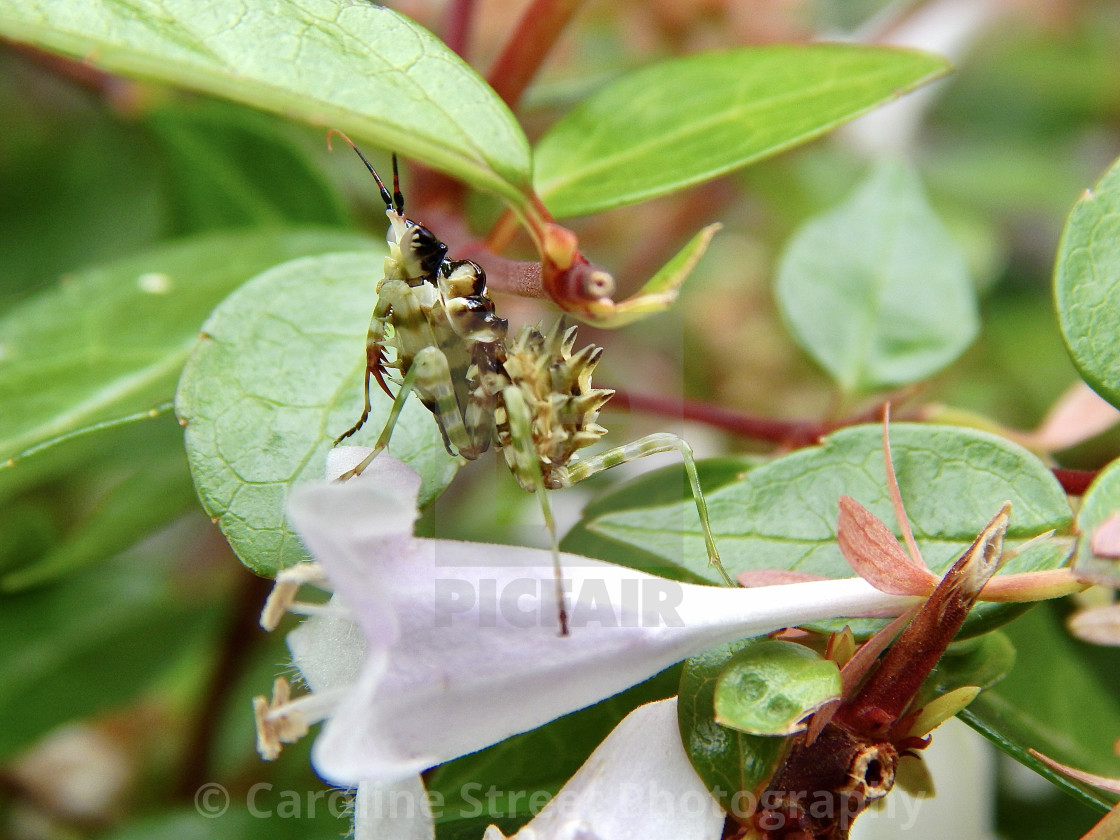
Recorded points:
(527,467)
(407,385)
(649,445)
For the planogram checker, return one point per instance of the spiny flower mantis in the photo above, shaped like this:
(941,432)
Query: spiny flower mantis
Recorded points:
(531,397)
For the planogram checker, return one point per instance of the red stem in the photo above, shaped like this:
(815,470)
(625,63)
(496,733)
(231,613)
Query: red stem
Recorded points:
(529,44)
(457,30)
(1075,482)
(241,637)
(791,433)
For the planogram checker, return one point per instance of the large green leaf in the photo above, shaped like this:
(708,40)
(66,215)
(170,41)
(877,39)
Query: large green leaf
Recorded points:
(1062,699)
(221,163)
(360,67)
(682,122)
(659,487)
(783,515)
(1087,285)
(111,341)
(876,290)
(276,377)
(92,641)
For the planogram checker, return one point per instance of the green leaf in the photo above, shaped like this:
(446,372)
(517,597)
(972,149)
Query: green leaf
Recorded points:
(660,487)
(275,379)
(360,67)
(783,515)
(92,641)
(1063,699)
(735,766)
(982,661)
(772,685)
(681,122)
(876,291)
(222,164)
(110,341)
(136,483)
(1100,502)
(1087,285)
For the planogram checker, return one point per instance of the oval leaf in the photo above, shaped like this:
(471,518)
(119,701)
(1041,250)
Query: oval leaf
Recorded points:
(734,765)
(876,291)
(276,377)
(111,341)
(769,688)
(1100,503)
(1087,285)
(360,67)
(221,162)
(783,515)
(685,121)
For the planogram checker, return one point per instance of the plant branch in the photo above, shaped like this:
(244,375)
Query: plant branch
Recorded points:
(529,44)
(1075,482)
(242,634)
(787,433)
(457,29)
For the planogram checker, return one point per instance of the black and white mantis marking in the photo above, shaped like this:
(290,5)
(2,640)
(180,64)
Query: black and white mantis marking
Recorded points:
(529,396)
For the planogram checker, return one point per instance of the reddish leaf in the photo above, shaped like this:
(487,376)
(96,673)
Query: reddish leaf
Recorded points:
(875,555)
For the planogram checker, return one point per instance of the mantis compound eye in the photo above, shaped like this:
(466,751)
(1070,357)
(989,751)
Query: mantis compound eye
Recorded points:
(423,251)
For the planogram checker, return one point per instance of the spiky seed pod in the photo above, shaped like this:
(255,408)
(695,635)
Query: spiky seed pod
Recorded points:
(556,386)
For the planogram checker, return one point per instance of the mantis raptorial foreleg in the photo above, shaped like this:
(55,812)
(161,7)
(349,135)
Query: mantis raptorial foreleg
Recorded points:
(430,376)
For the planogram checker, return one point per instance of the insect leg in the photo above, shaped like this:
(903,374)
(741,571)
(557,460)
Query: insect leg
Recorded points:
(527,466)
(407,384)
(375,364)
(649,445)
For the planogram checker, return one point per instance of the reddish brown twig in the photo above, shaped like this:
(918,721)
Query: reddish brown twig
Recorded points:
(1075,482)
(787,433)
(529,44)
(457,29)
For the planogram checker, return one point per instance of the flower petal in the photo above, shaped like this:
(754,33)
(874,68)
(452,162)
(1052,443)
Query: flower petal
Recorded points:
(356,520)
(462,637)
(637,785)
(328,650)
(397,811)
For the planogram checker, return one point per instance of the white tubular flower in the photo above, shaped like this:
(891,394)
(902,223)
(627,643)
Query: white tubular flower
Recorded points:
(637,785)
(394,811)
(461,642)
